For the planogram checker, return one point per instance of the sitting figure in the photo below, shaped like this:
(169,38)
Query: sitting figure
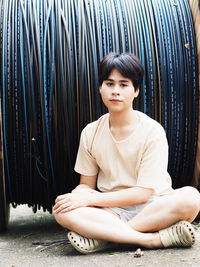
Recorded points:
(125,194)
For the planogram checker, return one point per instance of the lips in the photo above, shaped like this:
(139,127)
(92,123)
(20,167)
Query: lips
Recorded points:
(115,100)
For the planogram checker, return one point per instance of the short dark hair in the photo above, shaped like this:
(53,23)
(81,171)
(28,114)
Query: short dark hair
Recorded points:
(127,64)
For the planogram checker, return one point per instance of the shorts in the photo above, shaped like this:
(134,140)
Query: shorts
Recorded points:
(128,212)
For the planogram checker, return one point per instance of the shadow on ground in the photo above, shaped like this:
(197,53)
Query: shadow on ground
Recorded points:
(36,240)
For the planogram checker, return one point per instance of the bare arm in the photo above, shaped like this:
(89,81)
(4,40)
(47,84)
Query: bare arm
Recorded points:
(86,182)
(90,197)
(79,196)
(121,198)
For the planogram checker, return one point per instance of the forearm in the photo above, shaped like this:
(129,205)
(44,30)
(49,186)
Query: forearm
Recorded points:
(125,197)
(84,187)
(93,198)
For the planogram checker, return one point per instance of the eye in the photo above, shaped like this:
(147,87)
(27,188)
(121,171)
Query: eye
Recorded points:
(109,84)
(123,85)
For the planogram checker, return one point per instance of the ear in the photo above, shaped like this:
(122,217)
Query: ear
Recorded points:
(137,90)
(100,89)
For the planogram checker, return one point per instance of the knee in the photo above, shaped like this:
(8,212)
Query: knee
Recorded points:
(64,219)
(188,203)
(191,197)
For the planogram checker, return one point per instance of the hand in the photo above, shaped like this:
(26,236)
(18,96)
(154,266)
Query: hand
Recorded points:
(70,201)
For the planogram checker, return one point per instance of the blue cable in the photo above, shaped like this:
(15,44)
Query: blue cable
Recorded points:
(49,53)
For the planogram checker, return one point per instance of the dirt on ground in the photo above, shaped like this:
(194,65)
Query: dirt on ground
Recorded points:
(36,240)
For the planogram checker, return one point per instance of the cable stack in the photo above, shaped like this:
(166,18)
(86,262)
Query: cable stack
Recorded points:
(49,54)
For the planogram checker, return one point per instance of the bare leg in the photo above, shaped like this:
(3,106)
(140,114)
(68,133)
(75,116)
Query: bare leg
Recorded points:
(96,223)
(99,224)
(182,204)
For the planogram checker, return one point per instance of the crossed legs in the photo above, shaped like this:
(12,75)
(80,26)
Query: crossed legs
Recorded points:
(182,204)
(97,223)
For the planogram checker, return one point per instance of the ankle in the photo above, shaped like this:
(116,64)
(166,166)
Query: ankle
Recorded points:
(154,241)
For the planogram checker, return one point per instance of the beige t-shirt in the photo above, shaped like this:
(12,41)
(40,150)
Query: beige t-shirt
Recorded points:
(139,160)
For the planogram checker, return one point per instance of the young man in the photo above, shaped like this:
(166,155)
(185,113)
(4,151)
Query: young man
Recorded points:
(125,193)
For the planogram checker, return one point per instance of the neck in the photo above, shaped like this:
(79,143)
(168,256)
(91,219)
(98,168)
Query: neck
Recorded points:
(122,119)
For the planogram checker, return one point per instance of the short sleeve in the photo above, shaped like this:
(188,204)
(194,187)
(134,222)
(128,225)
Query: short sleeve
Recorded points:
(153,166)
(85,162)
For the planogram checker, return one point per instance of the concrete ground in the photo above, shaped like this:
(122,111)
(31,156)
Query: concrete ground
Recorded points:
(35,240)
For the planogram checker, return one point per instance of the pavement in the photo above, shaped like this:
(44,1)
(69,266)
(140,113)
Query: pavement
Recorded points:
(36,240)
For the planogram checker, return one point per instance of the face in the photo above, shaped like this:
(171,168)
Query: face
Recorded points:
(118,92)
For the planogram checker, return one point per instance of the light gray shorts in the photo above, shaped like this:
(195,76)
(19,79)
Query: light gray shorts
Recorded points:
(128,212)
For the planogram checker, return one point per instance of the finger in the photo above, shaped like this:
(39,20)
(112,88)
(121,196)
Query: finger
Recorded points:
(58,208)
(70,208)
(62,201)
(61,197)
(55,208)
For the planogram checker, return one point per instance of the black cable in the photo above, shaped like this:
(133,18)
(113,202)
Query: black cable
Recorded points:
(49,55)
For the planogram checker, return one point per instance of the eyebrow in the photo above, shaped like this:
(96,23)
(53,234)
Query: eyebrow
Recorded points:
(123,81)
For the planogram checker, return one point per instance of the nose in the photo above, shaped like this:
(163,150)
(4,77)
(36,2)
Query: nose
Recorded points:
(115,90)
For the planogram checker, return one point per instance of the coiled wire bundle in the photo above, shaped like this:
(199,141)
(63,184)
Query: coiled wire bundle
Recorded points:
(49,52)
(195,9)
